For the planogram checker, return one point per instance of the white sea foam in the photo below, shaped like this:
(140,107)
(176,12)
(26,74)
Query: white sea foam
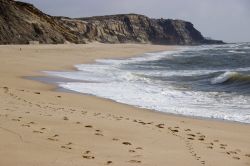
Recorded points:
(107,79)
(210,105)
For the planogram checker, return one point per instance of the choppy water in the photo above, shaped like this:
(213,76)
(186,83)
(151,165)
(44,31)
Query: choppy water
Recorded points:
(211,81)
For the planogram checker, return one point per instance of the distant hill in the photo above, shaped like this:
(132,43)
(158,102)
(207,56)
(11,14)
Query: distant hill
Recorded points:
(21,23)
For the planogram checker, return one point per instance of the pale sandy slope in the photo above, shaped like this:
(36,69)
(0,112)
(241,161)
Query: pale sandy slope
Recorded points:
(39,126)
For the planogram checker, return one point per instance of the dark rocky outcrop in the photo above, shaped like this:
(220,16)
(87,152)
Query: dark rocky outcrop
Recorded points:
(22,22)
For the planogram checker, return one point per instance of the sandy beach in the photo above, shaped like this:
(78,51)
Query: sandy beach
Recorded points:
(43,127)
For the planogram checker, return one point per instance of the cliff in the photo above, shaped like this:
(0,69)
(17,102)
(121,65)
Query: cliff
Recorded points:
(22,22)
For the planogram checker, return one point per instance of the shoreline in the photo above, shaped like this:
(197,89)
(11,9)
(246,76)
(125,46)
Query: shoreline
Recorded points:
(95,131)
(44,79)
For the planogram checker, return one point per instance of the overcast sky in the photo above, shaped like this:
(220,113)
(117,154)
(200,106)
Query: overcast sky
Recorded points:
(228,20)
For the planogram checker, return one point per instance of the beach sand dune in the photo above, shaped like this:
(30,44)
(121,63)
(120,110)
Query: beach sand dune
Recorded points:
(40,126)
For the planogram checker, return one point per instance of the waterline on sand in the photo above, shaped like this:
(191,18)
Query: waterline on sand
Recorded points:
(200,81)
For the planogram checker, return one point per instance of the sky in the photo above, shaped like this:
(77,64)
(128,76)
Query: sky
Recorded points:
(228,20)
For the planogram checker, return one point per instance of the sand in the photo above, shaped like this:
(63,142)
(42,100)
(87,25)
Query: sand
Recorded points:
(40,126)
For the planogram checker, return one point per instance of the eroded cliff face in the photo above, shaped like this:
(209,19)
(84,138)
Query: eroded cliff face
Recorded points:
(134,28)
(21,22)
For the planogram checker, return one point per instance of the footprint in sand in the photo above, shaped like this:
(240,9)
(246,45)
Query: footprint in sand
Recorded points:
(161,126)
(247,155)
(132,151)
(115,139)
(53,139)
(139,148)
(134,161)
(87,156)
(143,123)
(126,143)
(36,131)
(236,158)
(87,152)
(89,126)
(191,135)
(17,120)
(99,134)
(233,152)
(211,143)
(6,89)
(65,118)
(198,158)
(66,147)
(69,143)
(173,130)
(25,125)
(210,147)
(190,138)
(201,137)
(109,162)
(223,146)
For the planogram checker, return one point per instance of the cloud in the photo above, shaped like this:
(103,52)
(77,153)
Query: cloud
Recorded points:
(219,19)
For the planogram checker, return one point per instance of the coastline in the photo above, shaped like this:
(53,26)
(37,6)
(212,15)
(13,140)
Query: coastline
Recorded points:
(177,138)
(44,79)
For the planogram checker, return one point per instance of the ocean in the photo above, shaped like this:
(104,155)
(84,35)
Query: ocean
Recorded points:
(209,81)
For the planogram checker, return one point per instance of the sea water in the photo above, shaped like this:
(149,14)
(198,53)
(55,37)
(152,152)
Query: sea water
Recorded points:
(211,81)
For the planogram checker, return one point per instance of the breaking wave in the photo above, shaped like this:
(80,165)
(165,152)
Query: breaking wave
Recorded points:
(210,81)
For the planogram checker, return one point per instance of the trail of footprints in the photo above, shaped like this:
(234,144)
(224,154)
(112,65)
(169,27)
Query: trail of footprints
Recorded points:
(55,138)
(186,135)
